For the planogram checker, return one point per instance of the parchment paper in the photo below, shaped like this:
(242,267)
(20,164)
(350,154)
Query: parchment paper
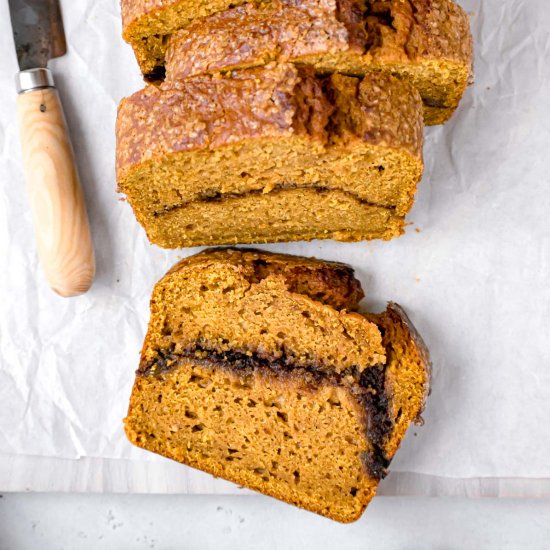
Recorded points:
(473,271)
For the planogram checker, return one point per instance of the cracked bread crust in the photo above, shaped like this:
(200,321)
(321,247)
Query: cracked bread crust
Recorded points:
(428,28)
(395,31)
(427,42)
(332,283)
(211,112)
(208,112)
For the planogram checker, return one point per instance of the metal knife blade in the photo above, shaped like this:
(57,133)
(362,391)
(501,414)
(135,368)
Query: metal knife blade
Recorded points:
(38,32)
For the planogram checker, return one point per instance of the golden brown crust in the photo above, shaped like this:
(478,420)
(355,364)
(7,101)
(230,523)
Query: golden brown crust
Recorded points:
(134,10)
(333,283)
(427,42)
(420,28)
(206,113)
(249,35)
(378,109)
(408,371)
(440,29)
(209,112)
(390,32)
(147,24)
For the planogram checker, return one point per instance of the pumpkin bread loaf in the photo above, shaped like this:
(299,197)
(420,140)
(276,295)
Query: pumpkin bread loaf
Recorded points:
(270,154)
(426,42)
(255,370)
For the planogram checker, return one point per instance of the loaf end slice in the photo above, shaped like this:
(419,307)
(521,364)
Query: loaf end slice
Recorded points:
(255,377)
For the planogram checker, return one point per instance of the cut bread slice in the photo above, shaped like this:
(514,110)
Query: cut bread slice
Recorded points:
(254,370)
(270,154)
(426,42)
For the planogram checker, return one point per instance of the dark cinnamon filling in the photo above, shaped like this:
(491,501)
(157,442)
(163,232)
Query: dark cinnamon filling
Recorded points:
(368,386)
(217,196)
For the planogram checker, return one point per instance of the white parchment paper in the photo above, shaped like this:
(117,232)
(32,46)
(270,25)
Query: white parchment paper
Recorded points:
(473,269)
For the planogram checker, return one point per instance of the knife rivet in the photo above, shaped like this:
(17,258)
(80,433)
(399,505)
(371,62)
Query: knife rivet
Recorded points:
(42,108)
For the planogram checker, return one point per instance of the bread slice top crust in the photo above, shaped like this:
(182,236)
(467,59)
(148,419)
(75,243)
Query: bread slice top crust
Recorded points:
(428,29)
(426,42)
(209,112)
(431,48)
(332,283)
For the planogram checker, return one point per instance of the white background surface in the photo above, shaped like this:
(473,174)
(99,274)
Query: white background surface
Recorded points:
(103,522)
(475,278)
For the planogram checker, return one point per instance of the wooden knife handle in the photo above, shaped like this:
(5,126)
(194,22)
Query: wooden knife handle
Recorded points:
(61,225)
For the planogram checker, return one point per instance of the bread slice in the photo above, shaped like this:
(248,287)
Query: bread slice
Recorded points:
(270,154)
(254,370)
(425,42)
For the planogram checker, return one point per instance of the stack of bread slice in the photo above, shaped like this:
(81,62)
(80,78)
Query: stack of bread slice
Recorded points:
(283,120)
(257,368)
